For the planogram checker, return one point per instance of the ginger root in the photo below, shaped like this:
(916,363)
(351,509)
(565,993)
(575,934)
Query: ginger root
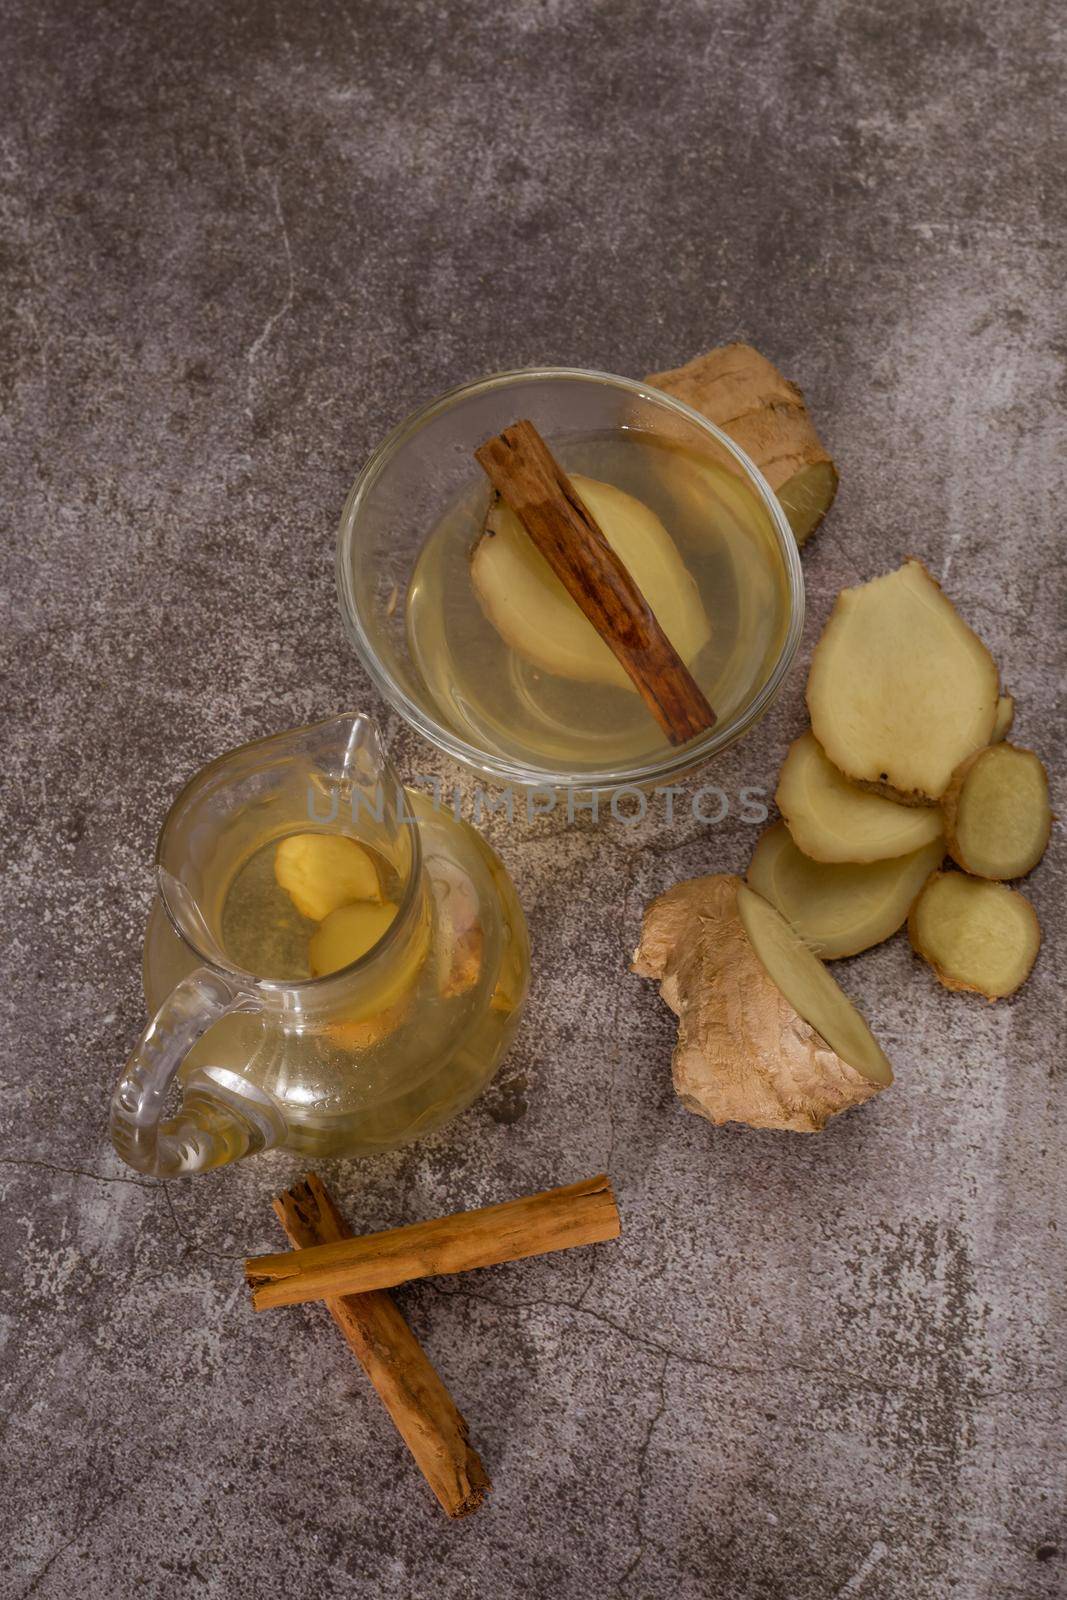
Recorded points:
(997,813)
(345,936)
(746,396)
(765,1035)
(460,938)
(900,690)
(976,934)
(839,908)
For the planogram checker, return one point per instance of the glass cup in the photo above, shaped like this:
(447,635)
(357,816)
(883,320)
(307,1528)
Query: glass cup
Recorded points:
(426,465)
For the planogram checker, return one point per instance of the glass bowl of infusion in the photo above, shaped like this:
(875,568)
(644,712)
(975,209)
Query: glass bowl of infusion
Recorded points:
(471,636)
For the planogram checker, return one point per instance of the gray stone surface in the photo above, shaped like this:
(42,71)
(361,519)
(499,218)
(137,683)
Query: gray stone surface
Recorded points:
(239,242)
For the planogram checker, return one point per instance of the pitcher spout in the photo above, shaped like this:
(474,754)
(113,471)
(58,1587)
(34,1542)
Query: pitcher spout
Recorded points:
(351,782)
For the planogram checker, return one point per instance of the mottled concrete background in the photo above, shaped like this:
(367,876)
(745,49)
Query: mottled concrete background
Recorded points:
(239,242)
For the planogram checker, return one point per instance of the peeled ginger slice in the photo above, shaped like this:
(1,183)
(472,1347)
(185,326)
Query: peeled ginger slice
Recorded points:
(321,871)
(975,934)
(534,614)
(833,820)
(997,813)
(842,908)
(900,690)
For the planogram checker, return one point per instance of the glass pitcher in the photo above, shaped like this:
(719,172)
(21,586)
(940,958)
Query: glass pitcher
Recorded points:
(263,1032)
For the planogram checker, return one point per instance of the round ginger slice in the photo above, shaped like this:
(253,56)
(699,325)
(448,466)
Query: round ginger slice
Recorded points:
(839,908)
(533,613)
(900,689)
(833,820)
(346,935)
(997,812)
(977,935)
(765,1035)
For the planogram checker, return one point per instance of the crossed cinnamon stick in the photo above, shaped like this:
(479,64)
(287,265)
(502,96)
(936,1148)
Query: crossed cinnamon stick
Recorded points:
(352,1275)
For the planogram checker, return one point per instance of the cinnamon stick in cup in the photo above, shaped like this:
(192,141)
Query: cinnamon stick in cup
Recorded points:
(524,472)
(582,1213)
(407,1383)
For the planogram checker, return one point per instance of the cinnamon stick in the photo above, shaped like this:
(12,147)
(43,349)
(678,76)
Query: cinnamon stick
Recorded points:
(408,1385)
(524,472)
(582,1213)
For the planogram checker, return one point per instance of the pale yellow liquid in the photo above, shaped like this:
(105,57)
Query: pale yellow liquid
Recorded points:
(502,703)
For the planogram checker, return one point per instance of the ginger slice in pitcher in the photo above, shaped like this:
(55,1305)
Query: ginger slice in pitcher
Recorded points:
(322,871)
(344,937)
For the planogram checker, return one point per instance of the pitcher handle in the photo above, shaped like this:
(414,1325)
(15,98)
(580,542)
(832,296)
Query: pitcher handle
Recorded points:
(222,1117)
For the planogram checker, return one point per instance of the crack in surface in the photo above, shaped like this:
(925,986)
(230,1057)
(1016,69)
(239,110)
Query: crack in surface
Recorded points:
(841,1377)
(78,1533)
(286,306)
(78,1172)
(642,1457)
(194,1244)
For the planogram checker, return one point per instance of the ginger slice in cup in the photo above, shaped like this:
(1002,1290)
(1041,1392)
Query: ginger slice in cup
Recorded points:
(533,613)
(322,871)
(1004,719)
(997,812)
(977,935)
(900,689)
(834,820)
(839,908)
(765,1035)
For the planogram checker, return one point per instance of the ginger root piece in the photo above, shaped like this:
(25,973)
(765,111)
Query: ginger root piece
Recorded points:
(321,871)
(460,937)
(839,908)
(1004,719)
(533,613)
(997,813)
(833,820)
(765,1035)
(900,690)
(748,398)
(976,935)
